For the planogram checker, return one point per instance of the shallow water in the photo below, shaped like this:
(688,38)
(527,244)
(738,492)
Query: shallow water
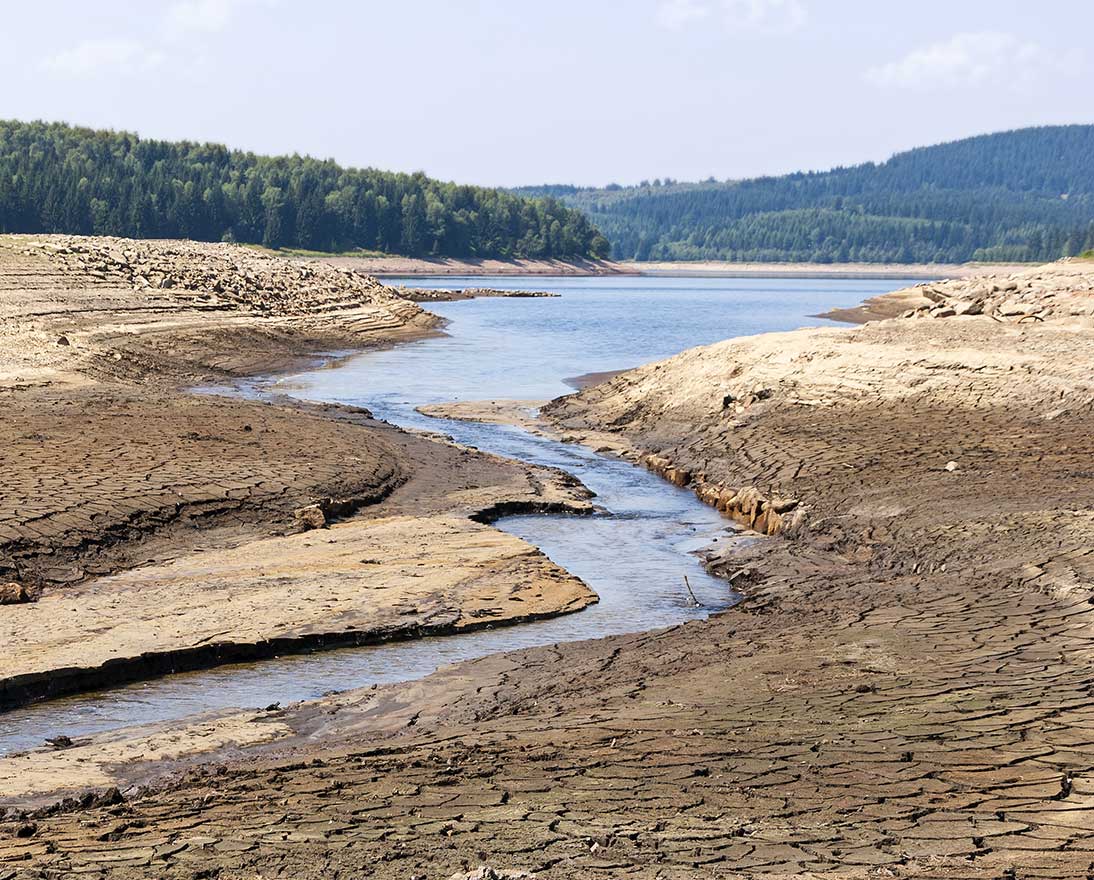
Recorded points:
(635,554)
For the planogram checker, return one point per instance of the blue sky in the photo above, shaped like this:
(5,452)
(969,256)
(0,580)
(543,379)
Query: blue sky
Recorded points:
(577,91)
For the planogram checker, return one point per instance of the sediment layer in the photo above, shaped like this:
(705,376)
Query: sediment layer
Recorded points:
(146,530)
(905,691)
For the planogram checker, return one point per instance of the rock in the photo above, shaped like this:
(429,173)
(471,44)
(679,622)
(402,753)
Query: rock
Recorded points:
(1012,307)
(943,312)
(63,340)
(934,295)
(677,476)
(310,517)
(783,505)
(13,594)
(485,872)
(968,307)
(60,742)
(951,466)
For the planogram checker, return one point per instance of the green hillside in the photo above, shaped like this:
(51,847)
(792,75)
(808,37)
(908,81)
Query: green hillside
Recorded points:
(57,178)
(1019,195)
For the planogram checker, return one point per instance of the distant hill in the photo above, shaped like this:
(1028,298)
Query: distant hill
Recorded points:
(57,178)
(1019,195)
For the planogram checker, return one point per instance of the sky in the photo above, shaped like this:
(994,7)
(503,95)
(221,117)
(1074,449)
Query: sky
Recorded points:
(554,91)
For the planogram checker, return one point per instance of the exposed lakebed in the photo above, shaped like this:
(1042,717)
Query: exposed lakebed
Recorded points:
(635,554)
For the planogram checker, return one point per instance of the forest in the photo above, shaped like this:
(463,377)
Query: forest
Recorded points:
(1011,196)
(59,178)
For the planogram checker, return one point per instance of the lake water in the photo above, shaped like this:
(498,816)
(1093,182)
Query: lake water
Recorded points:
(635,554)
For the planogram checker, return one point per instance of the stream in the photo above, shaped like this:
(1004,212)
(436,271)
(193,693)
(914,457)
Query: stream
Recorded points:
(635,554)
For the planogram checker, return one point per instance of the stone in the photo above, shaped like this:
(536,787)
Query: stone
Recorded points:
(1011,307)
(310,517)
(13,594)
(485,872)
(968,307)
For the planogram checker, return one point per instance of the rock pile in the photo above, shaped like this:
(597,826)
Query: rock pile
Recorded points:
(1036,295)
(215,276)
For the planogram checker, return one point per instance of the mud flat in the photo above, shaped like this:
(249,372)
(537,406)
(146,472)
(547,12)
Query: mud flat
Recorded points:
(147,530)
(906,691)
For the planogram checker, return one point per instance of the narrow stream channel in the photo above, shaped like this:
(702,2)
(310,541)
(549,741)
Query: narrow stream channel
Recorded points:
(635,555)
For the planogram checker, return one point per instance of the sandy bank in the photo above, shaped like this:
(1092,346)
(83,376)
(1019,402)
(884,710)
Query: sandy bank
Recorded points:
(721,269)
(1025,295)
(156,530)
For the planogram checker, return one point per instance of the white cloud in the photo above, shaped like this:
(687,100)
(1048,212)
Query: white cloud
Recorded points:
(97,57)
(130,57)
(737,15)
(199,16)
(677,14)
(988,58)
(765,15)
(186,17)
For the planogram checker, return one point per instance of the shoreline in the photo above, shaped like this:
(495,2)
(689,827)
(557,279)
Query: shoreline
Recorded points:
(903,689)
(398,267)
(409,267)
(848,271)
(112,556)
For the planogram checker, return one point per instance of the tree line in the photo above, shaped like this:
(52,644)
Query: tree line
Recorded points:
(59,178)
(1021,195)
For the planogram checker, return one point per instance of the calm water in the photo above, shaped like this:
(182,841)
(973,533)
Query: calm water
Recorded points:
(635,554)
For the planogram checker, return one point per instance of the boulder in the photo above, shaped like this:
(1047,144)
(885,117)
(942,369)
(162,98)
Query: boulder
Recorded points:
(968,307)
(13,594)
(310,517)
(1012,307)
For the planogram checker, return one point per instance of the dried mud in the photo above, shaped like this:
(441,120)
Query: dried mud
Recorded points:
(905,691)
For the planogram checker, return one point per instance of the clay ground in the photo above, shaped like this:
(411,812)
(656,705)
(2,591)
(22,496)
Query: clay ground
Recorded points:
(156,530)
(905,692)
